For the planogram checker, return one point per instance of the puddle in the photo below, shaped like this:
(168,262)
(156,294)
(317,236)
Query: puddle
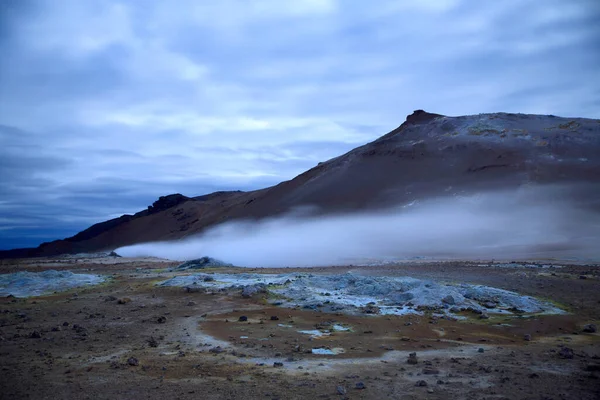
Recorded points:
(314,333)
(328,352)
(340,328)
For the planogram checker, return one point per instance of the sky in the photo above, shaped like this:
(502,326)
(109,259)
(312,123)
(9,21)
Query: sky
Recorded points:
(106,105)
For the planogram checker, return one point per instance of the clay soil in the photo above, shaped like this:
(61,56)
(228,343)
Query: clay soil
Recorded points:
(128,338)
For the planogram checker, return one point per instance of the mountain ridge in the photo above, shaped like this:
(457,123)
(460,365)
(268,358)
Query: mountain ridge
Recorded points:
(427,155)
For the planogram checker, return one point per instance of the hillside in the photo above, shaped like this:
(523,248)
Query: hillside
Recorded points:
(428,155)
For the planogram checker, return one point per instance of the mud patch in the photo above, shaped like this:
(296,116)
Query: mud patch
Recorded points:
(351,293)
(26,284)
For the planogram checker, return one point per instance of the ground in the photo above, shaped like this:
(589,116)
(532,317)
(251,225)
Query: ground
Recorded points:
(130,338)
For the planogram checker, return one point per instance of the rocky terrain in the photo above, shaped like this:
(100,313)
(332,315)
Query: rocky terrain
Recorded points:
(427,156)
(416,330)
(79,321)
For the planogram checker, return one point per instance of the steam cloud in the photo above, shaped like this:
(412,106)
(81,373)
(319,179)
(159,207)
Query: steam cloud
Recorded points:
(528,223)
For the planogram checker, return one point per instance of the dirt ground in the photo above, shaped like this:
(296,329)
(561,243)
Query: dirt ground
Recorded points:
(128,338)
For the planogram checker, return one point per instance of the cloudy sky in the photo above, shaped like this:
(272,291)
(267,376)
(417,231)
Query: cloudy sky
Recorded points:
(106,105)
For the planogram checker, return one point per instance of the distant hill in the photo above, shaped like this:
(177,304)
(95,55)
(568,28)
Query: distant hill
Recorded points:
(428,155)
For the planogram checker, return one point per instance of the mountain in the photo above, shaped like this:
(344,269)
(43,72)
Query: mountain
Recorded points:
(428,155)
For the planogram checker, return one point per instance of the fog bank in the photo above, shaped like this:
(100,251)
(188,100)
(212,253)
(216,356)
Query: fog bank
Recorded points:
(528,223)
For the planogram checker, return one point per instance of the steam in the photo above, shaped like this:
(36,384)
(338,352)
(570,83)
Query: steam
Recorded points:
(530,223)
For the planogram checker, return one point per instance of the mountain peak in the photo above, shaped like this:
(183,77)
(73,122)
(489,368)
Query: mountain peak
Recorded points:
(419,116)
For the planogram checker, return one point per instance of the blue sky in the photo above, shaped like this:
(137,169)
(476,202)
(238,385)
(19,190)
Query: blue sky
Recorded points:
(106,105)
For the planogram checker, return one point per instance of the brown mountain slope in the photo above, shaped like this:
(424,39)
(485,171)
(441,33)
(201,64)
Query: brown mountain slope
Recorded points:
(428,155)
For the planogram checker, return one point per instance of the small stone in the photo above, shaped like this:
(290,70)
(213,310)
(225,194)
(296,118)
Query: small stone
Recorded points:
(133,362)
(191,303)
(412,359)
(243,318)
(484,316)
(35,335)
(162,319)
(208,279)
(590,328)
(527,337)
(110,298)
(277,364)
(360,386)
(274,318)
(449,300)
(216,350)
(421,383)
(65,324)
(480,350)
(124,300)
(341,390)
(566,353)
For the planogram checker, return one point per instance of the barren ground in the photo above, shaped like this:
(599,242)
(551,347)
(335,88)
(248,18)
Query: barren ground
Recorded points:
(167,342)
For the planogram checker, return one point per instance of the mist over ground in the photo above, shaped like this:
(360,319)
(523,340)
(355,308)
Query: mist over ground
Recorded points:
(532,222)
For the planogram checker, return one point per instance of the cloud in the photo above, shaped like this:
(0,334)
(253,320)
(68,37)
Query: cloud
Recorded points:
(104,93)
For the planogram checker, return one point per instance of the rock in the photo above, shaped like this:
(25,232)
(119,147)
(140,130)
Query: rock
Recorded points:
(133,362)
(412,359)
(590,328)
(65,324)
(489,304)
(566,353)
(217,350)
(370,309)
(251,290)
(277,364)
(113,254)
(480,350)
(360,386)
(110,298)
(484,316)
(243,318)
(274,318)
(152,342)
(430,371)
(191,303)
(35,335)
(200,263)
(209,279)
(341,390)
(162,319)
(124,300)
(527,337)
(421,383)
(449,300)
